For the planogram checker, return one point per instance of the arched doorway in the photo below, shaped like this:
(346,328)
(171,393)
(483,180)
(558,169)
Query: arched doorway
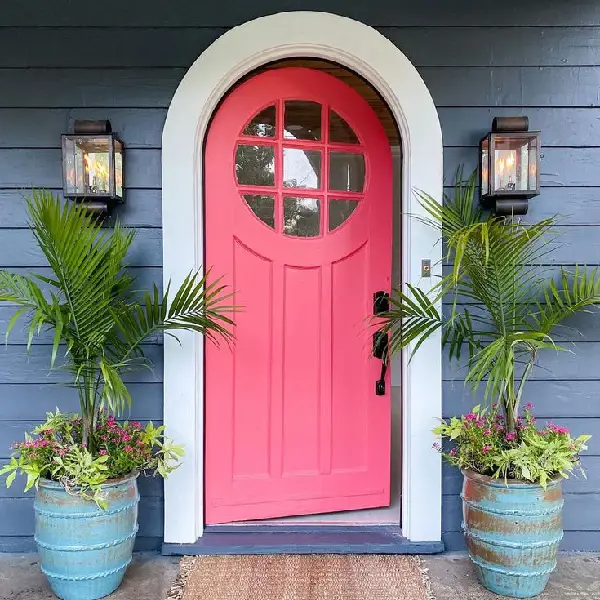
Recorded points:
(238,52)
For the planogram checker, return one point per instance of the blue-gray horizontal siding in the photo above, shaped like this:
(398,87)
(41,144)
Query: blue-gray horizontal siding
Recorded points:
(176,47)
(479,60)
(154,87)
(140,13)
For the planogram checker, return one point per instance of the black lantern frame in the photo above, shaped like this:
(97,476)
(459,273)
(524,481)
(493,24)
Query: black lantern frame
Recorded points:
(511,198)
(78,150)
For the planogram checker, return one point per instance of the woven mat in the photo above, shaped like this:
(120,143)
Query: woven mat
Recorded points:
(303,577)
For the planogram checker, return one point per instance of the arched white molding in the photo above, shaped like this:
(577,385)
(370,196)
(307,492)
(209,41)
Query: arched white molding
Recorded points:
(237,52)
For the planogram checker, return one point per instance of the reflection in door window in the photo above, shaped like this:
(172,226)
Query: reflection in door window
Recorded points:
(301,216)
(262,124)
(346,171)
(339,211)
(263,207)
(301,168)
(302,120)
(255,165)
(340,131)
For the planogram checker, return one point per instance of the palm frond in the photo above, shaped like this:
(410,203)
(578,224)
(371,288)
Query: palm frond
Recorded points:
(85,261)
(459,331)
(25,293)
(114,394)
(575,292)
(457,211)
(197,306)
(412,317)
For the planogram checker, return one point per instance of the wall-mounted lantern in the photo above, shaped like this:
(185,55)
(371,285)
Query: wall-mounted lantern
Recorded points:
(510,166)
(93,166)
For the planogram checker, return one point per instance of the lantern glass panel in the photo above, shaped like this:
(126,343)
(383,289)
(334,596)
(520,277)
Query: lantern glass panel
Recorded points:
(485,169)
(118,169)
(87,165)
(515,160)
(533,164)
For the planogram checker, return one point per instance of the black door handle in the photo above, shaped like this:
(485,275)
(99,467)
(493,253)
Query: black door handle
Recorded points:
(381,304)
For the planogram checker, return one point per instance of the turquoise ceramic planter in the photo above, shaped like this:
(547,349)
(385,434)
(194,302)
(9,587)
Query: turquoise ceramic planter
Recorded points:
(512,532)
(84,550)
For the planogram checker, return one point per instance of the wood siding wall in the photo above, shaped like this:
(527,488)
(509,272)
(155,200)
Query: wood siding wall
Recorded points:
(123,61)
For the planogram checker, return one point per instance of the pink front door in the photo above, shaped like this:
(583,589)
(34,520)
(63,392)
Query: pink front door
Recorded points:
(299,221)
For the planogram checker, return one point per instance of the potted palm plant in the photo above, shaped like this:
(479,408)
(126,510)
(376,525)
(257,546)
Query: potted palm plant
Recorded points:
(503,311)
(84,467)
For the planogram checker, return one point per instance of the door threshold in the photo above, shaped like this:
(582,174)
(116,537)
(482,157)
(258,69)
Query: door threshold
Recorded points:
(302,539)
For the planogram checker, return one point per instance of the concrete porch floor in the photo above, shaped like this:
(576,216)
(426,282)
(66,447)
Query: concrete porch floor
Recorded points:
(453,578)
(150,577)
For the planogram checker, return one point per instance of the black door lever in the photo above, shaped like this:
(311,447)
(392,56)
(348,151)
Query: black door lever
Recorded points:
(381,304)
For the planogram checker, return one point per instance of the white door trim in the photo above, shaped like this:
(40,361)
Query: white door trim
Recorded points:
(233,55)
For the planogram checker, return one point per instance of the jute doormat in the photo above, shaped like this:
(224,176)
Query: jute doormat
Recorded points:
(302,577)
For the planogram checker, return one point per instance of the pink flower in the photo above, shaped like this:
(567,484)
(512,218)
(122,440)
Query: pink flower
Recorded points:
(436,446)
(486,449)
(84,445)
(528,406)
(61,451)
(510,437)
(39,443)
(125,436)
(136,425)
(558,428)
(500,428)
(128,449)
(103,452)
(471,417)
(487,432)
(452,452)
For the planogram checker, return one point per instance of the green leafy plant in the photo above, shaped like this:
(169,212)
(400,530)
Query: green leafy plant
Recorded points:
(481,443)
(504,309)
(55,450)
(90,304)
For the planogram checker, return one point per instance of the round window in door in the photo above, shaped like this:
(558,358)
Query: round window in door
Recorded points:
(322,168)
(298,175)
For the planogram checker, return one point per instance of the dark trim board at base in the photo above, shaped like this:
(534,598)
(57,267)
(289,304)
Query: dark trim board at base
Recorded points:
(302,539)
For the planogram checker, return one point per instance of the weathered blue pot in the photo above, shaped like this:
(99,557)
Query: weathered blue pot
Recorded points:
(513,531)
(84,550)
